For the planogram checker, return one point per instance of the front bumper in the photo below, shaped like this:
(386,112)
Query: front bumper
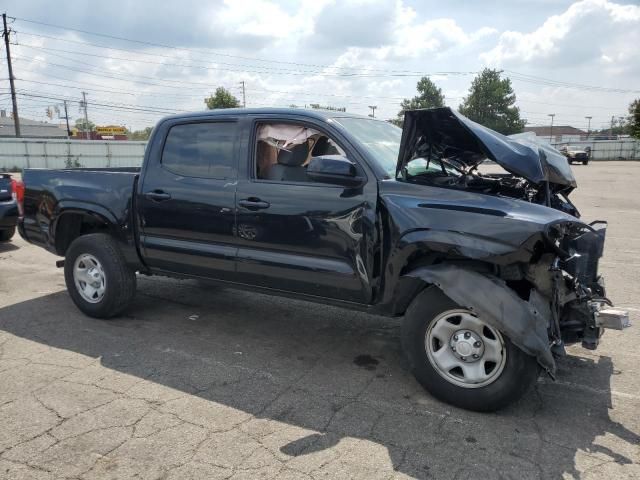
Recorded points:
(589,312)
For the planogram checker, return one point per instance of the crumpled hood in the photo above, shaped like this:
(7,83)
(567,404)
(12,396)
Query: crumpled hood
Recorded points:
(521,154)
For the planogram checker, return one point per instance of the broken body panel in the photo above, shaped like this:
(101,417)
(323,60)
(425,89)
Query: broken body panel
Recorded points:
(509,247)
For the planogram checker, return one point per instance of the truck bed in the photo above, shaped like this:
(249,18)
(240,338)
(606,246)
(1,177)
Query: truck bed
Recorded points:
(106,192)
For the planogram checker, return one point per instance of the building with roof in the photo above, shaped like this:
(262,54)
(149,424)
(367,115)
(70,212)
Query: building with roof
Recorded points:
(561,133)
(29,128)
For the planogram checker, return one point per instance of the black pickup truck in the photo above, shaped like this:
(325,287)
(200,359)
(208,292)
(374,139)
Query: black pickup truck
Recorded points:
(493,273)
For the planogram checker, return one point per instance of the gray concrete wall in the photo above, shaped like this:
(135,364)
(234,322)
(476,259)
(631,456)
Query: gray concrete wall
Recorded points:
(53,153)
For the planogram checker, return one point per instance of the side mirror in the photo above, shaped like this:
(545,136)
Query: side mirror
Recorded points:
(334,169)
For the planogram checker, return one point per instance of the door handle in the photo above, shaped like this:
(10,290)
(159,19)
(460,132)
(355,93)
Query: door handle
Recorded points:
(253,204)
(157,196)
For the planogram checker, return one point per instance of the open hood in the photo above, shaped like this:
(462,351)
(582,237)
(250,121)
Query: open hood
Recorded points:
(447,133)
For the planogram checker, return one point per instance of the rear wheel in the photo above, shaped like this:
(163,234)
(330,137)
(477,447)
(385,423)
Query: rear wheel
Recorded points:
(585,162)
(7,234)
(462,360)
(98,279)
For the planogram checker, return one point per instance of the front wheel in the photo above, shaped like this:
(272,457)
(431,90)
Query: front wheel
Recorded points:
(462,360)
(585,162)
(98,279)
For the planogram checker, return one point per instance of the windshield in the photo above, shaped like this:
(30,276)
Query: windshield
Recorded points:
(381,139)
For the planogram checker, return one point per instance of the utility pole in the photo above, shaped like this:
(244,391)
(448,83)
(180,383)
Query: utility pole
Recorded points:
(86,116)
(373,110)
(551,130)
(66,117)
(244,98)
(589,126)
(613,119)
(16,117)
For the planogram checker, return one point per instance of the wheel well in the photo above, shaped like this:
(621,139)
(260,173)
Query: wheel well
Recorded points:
(409,287)
(73,225)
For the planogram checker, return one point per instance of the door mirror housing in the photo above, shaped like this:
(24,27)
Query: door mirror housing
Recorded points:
(334,169)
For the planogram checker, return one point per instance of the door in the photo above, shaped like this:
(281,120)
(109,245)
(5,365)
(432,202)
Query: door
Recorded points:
(187,199)
(297,235)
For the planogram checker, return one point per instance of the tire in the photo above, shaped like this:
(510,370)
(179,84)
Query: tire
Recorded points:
(585,162)
(98,257)
(7,234)
(509,379)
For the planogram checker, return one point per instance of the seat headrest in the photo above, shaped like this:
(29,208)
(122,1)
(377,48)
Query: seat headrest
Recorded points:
(295,156)
(324,147)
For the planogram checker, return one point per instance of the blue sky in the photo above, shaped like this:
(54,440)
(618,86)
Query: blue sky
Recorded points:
(350,53)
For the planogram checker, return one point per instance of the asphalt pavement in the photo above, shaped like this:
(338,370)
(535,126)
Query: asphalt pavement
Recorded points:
(209,383)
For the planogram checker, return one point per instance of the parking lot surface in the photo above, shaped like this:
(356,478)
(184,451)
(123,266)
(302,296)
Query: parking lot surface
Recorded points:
(209,383)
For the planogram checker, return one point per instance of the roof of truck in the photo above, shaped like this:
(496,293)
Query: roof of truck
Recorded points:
(306,112)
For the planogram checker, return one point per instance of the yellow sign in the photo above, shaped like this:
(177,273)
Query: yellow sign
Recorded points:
(111,130)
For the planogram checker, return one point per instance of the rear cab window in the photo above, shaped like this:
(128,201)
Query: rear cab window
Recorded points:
(202,149)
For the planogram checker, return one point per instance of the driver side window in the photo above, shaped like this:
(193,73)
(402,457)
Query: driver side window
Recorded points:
(284,150)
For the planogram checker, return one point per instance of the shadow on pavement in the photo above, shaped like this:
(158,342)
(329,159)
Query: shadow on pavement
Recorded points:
(7,247)
(302,364)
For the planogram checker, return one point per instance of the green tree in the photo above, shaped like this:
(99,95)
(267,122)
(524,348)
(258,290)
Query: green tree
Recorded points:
(223,98)
(491,102)
(83,126)
(317,106)
(634,118)
(429,96)
(140,134)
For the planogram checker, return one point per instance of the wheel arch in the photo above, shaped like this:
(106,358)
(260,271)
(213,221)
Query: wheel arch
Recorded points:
(421,248)
(524,322)
(75,221)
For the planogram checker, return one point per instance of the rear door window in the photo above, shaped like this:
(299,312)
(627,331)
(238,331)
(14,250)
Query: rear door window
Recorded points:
(205,150)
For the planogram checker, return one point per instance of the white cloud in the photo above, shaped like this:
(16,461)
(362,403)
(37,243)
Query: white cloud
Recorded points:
(581,33)
(265,18)
(590,42)
(413,38)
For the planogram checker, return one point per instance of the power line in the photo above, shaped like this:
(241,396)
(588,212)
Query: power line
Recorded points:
(517,75)
(122,92)
(209,51)
(545,81)
(134,107)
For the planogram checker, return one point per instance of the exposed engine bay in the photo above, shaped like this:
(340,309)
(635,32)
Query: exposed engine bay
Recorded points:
(452,167)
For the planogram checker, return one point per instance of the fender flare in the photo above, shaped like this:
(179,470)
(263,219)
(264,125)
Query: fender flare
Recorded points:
(524,322)
(99,212)
(73,206)
(449,244)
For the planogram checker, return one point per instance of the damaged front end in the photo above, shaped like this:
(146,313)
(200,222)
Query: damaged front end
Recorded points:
(580,308)
(555,298)
(509,248)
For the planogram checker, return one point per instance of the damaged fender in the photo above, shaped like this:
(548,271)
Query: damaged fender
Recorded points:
(525,323)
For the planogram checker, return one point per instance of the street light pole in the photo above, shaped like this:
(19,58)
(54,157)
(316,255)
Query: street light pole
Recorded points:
(588,126)
(551,130)
(373,110)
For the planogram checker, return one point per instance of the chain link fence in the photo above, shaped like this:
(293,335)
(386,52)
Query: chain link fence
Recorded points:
(621,149)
